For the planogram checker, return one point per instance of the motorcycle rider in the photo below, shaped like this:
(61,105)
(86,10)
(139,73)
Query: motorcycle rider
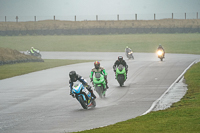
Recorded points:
(98,69)
(33,50)
(127,50)
(161,48)
(122,62)
(74,77)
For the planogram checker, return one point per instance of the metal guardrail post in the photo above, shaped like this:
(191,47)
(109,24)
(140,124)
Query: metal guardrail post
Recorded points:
(185,15)
(17,18)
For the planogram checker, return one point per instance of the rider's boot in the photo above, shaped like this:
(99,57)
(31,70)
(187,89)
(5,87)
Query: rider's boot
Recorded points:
(107,85)
(126,75)
(93,95)
(91,91)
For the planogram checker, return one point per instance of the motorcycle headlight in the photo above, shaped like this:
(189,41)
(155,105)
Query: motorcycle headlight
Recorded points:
(160,52)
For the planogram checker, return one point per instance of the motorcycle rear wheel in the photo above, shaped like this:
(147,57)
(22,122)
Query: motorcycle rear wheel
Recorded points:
(93,103)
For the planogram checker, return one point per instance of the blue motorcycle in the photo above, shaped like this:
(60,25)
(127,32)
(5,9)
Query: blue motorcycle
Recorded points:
(83,96)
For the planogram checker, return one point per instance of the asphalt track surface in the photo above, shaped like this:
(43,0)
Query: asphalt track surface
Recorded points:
(40,101)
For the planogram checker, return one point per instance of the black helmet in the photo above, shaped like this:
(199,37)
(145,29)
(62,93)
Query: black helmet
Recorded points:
(72,75)
(120,58)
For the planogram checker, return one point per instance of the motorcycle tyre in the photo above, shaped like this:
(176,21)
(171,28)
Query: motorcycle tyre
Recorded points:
(120,79)
(82,102)
(39,55)
(161,58)
(93,103)
(99,90)
(131,57)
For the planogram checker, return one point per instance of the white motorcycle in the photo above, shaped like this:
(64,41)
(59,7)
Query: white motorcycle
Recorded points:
(36,53)
(129,55)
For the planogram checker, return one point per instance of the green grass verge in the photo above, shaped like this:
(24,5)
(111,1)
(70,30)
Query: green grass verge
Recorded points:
(173,43)
(11,70)
(182,117)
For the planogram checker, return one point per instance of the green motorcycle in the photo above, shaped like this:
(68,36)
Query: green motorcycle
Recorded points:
(99,84)
(121,74)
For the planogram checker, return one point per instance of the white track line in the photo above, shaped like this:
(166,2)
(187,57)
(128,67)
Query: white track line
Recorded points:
(156,102)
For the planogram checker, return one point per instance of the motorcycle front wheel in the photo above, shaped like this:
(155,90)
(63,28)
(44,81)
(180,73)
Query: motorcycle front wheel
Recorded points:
(82,102)
(99,90)
(120,80)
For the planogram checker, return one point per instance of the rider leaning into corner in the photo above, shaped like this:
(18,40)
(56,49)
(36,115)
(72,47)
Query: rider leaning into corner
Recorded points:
(73,78)
(122,62)
(127,50)
(33,50)
(161,48)
(98,69)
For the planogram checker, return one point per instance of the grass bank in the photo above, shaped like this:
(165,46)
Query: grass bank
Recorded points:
(12,70)
(173,43)
(57,24)
(182,117)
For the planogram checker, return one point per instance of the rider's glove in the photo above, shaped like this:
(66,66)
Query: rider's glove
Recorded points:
(91,79)
(89,87)
(72,94)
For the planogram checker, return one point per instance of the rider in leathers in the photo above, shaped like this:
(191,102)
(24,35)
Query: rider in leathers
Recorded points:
(118,62)
(161,48)
(73,78)
(98,69)
(127,50)
(33,50)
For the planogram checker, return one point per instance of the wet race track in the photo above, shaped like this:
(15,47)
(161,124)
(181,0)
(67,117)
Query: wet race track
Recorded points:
(40,101)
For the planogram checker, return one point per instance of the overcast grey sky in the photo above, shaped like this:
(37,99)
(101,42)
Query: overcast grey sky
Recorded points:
(95,7)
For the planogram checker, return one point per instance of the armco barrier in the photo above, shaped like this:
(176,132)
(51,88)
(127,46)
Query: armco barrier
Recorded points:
(99,31)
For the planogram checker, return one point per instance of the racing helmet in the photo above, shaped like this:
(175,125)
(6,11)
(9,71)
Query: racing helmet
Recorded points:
(120,58)
(97,64)
(72,75)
